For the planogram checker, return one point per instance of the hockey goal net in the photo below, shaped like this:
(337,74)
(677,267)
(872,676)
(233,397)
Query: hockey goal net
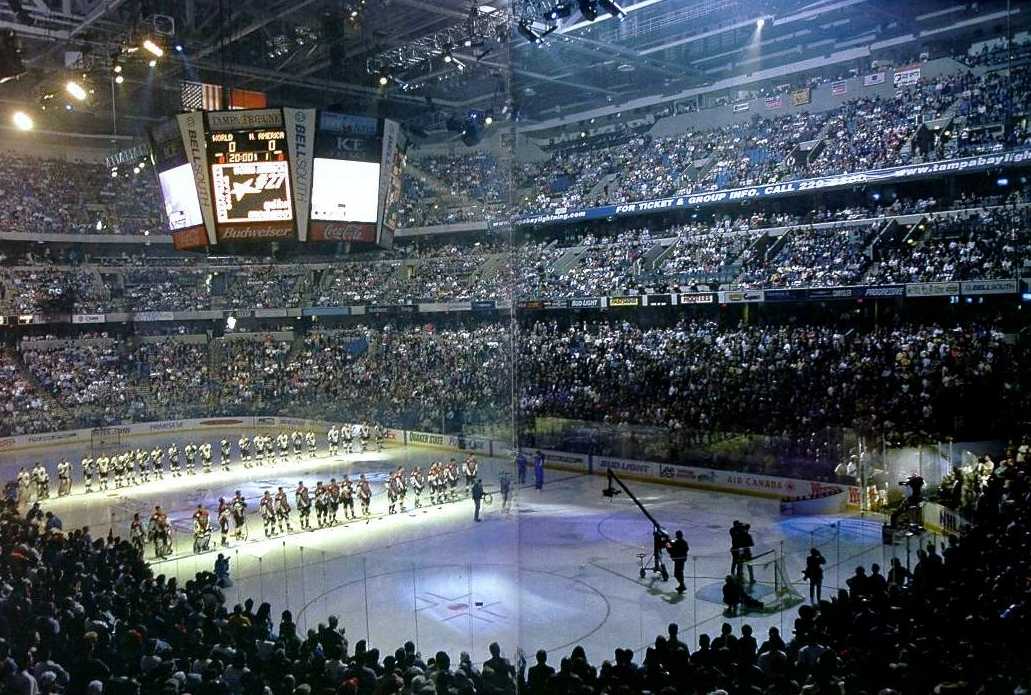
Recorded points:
(764,578)
(106,439)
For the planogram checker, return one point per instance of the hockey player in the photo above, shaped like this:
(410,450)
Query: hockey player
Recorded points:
(333,437)
(267,509)
(224,514)
(348,436)
(379,438)
(284,446)
(431,482)
(303,501)
(452,479)
(173,460)
(347,497)
(470,467)
(225,449)
(157,462)
(283,511)
(24,485)
(137,535)
(363,436)
(64,478)
(332,501)
(298,440)
(143,465)
(160,532)
(42,479)
(415,481)
(190,450)
(364,494)
(238,507)
(401,483)
(392,492)
(118,469)
(201,530)
(103,470)
(309,439)
(128,468)
(321,503)
(205,456)
(245,449)
(88,471)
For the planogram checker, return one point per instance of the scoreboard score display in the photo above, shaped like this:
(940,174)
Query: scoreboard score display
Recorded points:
(250,175)
(270,174)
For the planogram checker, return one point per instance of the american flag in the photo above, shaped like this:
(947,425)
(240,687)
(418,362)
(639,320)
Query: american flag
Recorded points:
(200,96)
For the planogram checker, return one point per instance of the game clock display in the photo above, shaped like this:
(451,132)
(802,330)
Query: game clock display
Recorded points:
(250,176)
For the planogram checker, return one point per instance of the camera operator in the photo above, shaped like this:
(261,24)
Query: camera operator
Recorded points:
(741,544)
(678,553)
(915,483)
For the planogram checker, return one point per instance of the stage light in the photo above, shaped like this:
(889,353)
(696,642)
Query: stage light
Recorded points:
(560,11)
(489,120)
(447,53)
(760,23)
(76,90)
(588,9)
(117,68)
(153,48)
(11,65)
(152,63)
(383,80)
(613,8)
(119,79)
(22,120)
(526,30)
(114,172)
(178,48)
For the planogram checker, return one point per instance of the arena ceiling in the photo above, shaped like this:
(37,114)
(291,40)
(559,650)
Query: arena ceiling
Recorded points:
(322,52)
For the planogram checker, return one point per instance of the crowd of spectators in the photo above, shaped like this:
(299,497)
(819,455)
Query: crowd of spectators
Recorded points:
(87,377)
(989,244)
(698,376)
(813,257)
(23,408)
(57,196)
(275,286)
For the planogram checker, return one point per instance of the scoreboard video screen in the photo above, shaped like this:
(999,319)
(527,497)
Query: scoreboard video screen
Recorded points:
(250,175)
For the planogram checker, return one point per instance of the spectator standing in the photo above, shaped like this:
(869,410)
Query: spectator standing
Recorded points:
(538,471)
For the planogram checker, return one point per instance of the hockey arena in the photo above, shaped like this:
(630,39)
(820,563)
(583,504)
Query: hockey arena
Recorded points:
(515,347)
(559,568)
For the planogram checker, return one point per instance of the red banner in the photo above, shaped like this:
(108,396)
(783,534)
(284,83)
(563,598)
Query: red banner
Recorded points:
(247,99)
(364,232)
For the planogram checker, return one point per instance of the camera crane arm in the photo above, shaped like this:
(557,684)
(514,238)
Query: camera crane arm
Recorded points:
(659,535)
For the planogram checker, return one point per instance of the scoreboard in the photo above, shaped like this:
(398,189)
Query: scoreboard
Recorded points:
(271,174)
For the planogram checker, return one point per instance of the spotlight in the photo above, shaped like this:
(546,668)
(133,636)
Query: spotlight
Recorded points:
(153,48)
(383,80)
(589,9)
(152,63)
(178,48)
(117,68)
(119,79)
(447,53)
(22,120)
(560,11)
(114,172)
(76,90)
(760,23)
(489,120)
(613,8)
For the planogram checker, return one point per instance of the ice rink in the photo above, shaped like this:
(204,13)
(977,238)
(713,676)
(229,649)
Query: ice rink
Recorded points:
(561,569)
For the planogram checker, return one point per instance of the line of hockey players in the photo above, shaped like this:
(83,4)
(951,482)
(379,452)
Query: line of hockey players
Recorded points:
(440,482)
(137,466)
